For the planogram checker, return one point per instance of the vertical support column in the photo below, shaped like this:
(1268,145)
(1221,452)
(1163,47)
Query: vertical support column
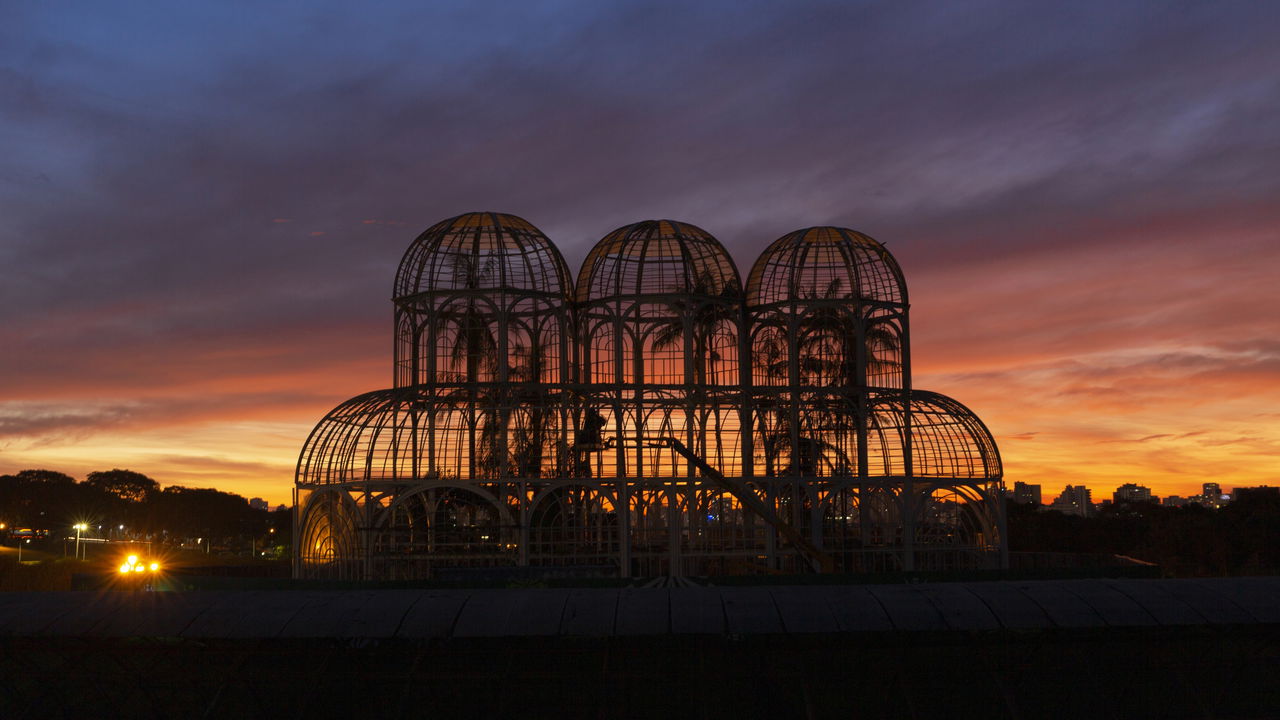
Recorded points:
(366,533)
(522,558)
(624,526)
(620,477)
(793,383)
(1002,526)
(908,485)
(673,527)
(297,534)
(862,415)
(620,473)
(771,533)
(746,408)
(503,403)
(815,516)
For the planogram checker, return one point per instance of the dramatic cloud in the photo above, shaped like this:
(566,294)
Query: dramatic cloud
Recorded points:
(203,206)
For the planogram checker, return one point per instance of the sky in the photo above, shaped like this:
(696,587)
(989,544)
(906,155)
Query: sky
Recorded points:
(202,205)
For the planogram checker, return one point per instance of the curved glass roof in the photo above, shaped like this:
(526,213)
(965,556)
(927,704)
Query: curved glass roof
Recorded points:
(656,257)
(826,263)
(482,251)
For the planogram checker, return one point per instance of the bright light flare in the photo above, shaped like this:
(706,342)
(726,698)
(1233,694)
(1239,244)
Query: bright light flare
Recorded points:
(133,565)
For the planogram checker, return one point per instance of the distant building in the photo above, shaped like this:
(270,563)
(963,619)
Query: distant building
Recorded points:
(1174,501)
(1255,493)
(1131,493)
(1211,497)
(1074,500)
(259,504)
(1026,494)
(1213,502)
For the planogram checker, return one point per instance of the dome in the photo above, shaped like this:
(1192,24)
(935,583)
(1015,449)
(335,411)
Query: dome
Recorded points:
(825,263)
(408,434)
(947,440)
(369,437)
(482,251)
(656,257)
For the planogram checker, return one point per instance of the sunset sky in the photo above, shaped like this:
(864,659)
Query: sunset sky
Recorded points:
(201,210)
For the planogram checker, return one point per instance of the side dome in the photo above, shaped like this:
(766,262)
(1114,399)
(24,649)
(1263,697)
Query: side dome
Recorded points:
(656,257)
(482,251)
(410,434)
(948,441)
(826,263)
(369,437)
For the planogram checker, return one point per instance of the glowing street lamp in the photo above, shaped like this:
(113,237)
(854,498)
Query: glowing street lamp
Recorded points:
(145,573)
(79,527)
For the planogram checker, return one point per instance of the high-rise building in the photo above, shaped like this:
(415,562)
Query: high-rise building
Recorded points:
(1131,493)
(1211,496)
(1026,494)
(1074,500)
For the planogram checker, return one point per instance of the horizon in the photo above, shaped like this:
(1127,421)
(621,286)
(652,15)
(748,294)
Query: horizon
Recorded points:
(204,207)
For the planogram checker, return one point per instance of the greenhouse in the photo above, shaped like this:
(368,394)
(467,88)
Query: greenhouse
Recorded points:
(656,417)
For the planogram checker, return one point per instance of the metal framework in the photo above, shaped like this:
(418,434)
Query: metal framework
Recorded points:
(655,418)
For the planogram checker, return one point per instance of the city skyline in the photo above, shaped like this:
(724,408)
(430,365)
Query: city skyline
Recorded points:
(202,207)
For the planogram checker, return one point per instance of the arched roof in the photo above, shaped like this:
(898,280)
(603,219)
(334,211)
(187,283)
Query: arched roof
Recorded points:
(826,263)
(656,257)
(369,437)
(947,439)
(482,251)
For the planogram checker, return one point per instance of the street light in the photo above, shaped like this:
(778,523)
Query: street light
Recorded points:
(135,572)
(79,527)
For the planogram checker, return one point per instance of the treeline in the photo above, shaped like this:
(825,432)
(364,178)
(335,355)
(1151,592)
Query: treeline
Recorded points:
(1242,538)
(54,501)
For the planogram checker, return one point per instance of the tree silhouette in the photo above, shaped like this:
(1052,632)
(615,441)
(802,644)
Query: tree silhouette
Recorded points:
(124,484)
(707,310)
(473,344)
(530,436)
(827,343)
(706,313)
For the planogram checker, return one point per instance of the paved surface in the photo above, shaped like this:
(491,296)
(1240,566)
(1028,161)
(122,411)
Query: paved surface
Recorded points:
(727,611)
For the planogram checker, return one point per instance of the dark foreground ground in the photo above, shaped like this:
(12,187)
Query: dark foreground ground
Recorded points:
(1072,648)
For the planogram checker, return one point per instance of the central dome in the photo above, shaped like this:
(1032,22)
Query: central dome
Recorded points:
(482,251)
(656,257)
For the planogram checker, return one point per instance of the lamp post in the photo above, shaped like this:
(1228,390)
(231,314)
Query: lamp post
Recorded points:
(79,527)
